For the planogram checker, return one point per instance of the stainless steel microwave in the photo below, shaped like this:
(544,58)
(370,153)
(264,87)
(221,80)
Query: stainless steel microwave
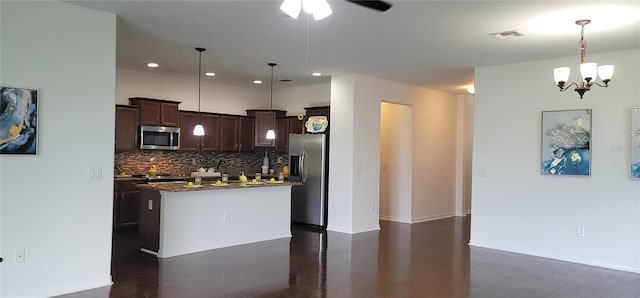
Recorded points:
(159,137)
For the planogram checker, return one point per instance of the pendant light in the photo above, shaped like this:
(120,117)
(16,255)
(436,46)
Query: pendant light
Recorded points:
(271,134)
(198,130)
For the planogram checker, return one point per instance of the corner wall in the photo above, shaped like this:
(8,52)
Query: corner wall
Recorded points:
(49,207)
(515,207)
(355,151)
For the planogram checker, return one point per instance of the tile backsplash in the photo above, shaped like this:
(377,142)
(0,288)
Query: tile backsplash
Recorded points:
(177,163)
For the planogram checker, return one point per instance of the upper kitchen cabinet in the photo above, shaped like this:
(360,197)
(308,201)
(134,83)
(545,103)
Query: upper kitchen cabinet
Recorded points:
(284,127)
(228,133)
(126,128)
(236,133)
(211,139)
(157,112)
(246,133)
(264,120)
(318,111)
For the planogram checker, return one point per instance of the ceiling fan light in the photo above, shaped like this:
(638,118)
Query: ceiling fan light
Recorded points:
(271,134)
(605,72)
(291,7)
(561,74)
(198,130)
(589,71)
(319,8)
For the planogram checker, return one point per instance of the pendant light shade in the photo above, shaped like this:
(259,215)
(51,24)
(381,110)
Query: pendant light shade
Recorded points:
(198,130)
(271,134)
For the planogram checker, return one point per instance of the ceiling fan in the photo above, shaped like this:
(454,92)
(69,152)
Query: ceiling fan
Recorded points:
(320,9)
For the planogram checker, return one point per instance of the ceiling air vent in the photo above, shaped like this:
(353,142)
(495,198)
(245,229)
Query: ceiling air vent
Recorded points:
(506,34)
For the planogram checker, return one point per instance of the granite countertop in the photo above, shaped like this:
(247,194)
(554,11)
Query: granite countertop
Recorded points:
(181,186)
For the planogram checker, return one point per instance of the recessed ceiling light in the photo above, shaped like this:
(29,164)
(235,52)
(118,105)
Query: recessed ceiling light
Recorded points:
(152,64)
(316,74)
(210,74)
(257,82)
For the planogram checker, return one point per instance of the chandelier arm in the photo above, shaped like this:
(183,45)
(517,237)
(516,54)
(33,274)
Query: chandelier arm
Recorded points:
(605,85)
(565,87)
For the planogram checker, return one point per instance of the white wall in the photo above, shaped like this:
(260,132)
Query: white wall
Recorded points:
(395,172)
(515,207)
(216,97)
(295,99)
(49,207)
(355,151)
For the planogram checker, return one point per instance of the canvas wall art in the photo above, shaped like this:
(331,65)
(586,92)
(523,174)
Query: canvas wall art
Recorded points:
(635,142)
(566,142)
(18,120)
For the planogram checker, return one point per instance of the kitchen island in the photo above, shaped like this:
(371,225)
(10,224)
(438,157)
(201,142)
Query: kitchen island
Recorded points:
(177,220)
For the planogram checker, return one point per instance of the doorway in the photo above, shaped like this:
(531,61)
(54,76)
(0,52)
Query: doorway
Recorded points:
(396,143)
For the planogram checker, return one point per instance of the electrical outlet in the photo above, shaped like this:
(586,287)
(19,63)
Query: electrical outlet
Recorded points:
(20,255)
(226,218)
(373,207)
(580,232)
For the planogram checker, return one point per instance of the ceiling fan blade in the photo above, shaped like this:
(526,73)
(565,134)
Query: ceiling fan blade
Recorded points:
(373,4)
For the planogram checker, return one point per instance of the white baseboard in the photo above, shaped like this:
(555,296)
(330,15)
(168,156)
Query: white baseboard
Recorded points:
(84,288)
(571,260)
(395,219)
(432,217)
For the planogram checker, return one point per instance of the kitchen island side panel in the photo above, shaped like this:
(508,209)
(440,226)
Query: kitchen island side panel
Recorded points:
(195,221)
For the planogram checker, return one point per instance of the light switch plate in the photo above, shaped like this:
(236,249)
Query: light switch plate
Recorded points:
(94,173)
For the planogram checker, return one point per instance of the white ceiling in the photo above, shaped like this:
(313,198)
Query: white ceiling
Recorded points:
(434,44)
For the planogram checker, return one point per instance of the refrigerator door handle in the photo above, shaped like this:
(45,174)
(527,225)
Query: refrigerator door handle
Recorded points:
(302,167)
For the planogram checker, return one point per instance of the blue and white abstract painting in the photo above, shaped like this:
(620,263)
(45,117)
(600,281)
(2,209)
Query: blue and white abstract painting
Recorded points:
(18,120)
(566,142)
(635,142)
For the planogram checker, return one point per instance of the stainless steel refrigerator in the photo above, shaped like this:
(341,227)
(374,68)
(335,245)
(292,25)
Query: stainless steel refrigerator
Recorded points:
(309,164)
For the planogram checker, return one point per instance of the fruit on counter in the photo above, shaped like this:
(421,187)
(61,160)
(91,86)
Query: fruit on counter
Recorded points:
(285,171)
(272,179)
(242,178)
(189,183)
(218,182)
(254,181)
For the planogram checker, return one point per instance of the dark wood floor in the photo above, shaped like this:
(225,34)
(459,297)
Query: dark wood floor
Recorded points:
(430,259)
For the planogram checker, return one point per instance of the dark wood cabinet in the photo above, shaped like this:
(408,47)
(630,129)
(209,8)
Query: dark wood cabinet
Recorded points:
(211,139)
(157,112)
(264,120)
(286,126)
(228,133)
(188,142)
(246,131)
(318,111)
(295,125)
(126,128)
(149,228)
(126,204)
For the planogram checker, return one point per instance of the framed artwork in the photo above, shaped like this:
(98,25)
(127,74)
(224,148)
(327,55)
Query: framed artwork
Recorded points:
(18,120)
(566,142)
(635,142)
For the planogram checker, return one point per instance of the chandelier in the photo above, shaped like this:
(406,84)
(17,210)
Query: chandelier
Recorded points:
(587,70)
